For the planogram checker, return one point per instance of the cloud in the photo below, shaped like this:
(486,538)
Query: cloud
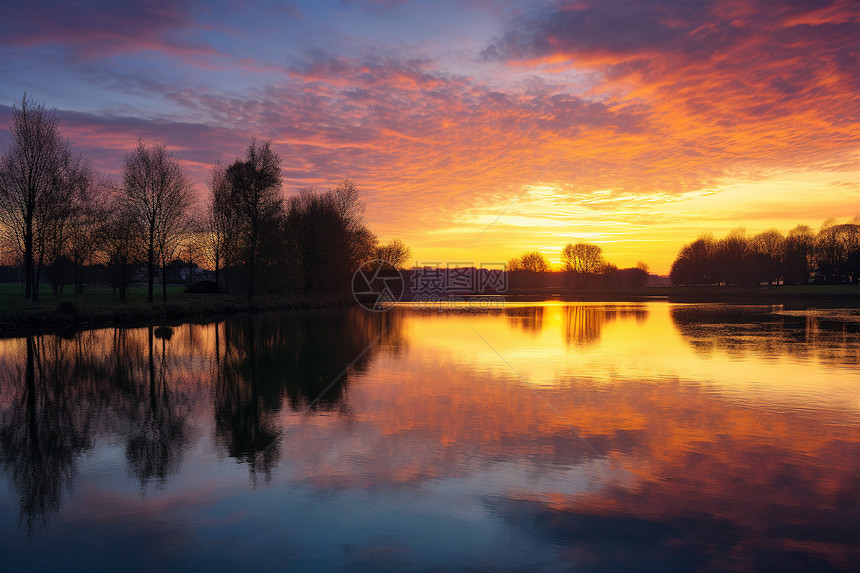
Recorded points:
(102,28)
(414,135)
(373,5)
(655,98)
(745,85)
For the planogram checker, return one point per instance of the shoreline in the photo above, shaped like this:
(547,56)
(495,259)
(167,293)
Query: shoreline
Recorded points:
(832,296)
(793,297)
(70,315)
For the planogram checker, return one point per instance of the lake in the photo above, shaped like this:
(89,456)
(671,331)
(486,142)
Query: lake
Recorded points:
(548,437)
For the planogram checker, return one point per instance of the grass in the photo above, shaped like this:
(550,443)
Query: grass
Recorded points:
(94,296)
(99,306)
(94,299)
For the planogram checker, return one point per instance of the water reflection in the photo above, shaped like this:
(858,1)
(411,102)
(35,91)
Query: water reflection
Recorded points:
(44,427)
(158,415)
(529,318)
(827,335)
(583,323)
(581,436)
(143,384)
(715,485)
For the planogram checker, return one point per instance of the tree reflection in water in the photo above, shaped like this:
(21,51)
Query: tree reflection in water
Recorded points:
(583,323)
(682,465)
(303,361)
(154,448)
(60,395)
(44,431)
(529,318)
(830,336)
(244,423)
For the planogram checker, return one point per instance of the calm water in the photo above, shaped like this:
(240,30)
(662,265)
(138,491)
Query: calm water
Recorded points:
(560,437)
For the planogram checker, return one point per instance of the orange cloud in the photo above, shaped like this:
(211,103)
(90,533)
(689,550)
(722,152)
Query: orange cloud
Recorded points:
(654,99)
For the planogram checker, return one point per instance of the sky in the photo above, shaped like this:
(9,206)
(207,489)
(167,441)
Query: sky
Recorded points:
(477,129)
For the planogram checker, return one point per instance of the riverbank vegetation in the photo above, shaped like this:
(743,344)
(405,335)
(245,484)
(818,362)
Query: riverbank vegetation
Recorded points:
(99,307)
(803,256)
(65,224)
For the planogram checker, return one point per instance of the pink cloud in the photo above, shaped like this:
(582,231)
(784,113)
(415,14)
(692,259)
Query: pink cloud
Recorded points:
(102,28)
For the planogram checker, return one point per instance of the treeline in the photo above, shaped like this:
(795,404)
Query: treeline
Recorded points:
(59,217)
(583,266)
(803,256)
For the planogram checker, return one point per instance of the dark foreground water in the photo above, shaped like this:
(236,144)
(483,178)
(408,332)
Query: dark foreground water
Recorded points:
(569,437)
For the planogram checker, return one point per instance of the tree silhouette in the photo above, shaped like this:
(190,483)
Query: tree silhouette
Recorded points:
(255,188)
(222,225)
(836,251)
(799,245)
(532,261)
(318,240)
(120,236)
(65,232)
(833,255)
(584,260)
(396,253)
(83,243)
(157,193)
(328,239)
(361,241)
(694,265)
(38,181)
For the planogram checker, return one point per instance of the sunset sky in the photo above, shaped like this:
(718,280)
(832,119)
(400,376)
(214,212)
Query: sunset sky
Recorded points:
(478,129)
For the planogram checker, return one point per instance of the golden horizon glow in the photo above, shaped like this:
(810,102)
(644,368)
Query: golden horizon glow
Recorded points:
(635,126)
(633,227)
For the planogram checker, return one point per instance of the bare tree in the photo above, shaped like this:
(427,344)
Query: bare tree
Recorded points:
(255,187)
(731,254)
(62,238)
(532,261)
(85,230)
(120,237)
(582,258)
(317,240)
(327,238)
(395,253)
(361,241)
(221,228)
(836,251)
(174,234)
(767,256)
(799,250)
(157,193)
(695,264)
(37,181)
(347,204)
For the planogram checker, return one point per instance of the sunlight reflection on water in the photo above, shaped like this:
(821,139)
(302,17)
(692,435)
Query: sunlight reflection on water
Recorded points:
(550,437)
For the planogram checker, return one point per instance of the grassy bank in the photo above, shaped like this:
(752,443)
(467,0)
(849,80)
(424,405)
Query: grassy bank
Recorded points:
(100,307)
